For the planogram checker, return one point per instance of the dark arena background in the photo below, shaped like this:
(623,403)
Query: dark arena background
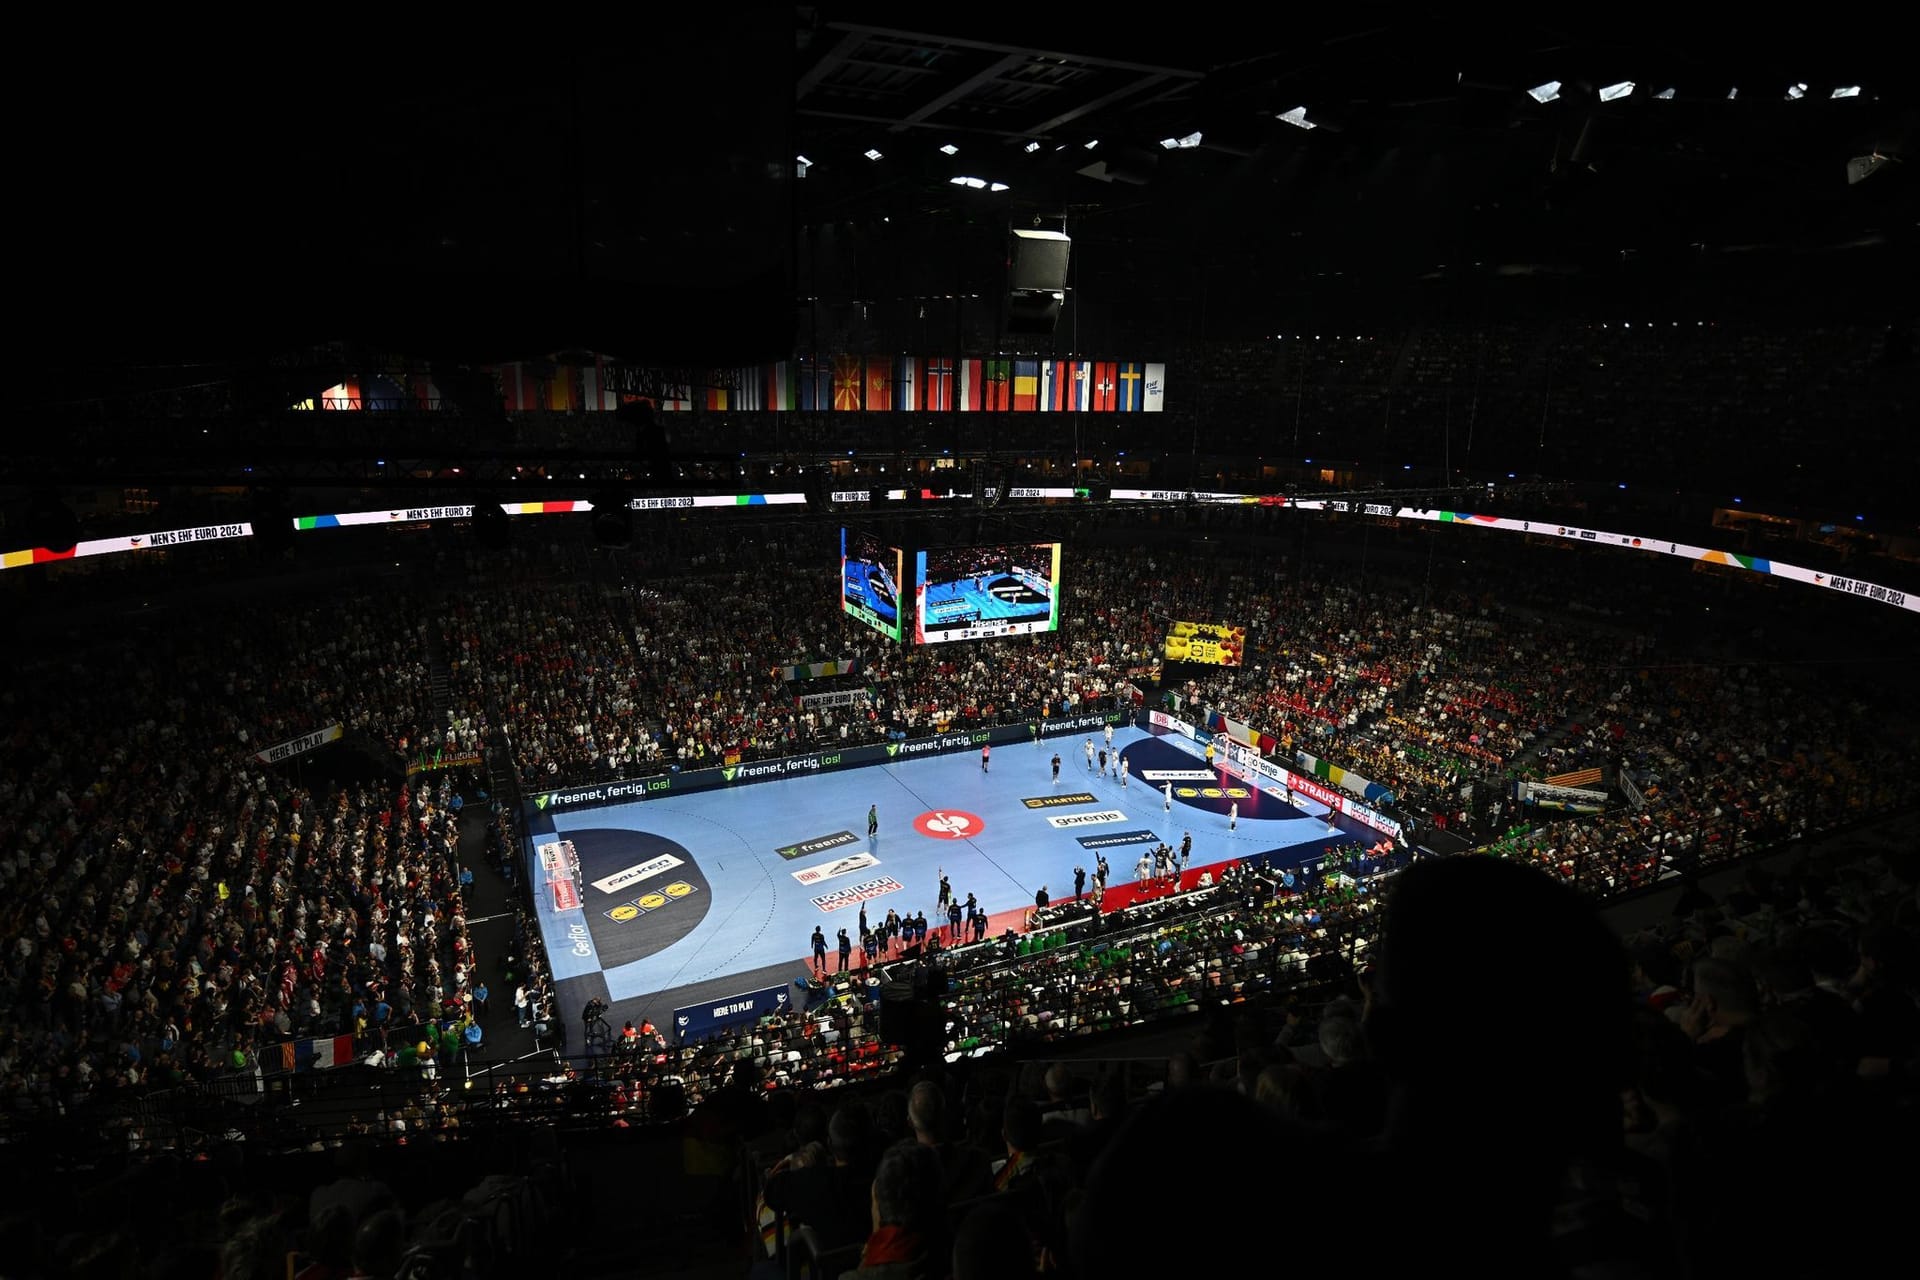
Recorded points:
(849,642)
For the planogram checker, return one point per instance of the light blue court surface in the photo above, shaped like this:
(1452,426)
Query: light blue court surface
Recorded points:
(870,585)
(691,889)
(993,597)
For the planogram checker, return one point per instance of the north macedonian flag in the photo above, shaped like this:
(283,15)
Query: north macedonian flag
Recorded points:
(846,383)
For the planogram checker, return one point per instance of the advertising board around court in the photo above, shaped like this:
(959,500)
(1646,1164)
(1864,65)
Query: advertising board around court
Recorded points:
(1251,765)
(698,1021)
(661,786)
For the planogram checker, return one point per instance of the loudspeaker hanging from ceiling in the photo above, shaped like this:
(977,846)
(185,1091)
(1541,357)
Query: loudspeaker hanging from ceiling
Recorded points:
(492,526)
(612,518)
(272,522)
(47,523)
(1036,281)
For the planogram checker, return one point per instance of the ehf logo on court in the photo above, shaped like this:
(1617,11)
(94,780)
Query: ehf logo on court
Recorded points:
(949,824)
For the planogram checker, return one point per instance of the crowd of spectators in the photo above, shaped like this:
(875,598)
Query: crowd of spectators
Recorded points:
(1686,1102)
(1755,1041)
(601,680)
(606,668)
(1253,937)
(1724,764)
(1424,691)
(176,909)
(180,911)
(1427,689)
(1807,976)
(564,679)
(354,660)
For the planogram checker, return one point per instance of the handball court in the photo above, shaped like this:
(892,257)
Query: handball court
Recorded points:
(696,897)
(992,597)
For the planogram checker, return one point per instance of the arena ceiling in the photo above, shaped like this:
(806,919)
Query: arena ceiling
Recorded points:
(629,184)
(1163,148)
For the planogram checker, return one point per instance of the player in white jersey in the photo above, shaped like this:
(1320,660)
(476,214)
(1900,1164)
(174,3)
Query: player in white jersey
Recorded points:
(1109,735)
(1167,787)
(1089,755)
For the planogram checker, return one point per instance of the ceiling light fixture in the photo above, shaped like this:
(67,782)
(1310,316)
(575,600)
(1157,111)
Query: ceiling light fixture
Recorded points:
(1541,93)
(1297,118)
(950,149)
(872,154)
(1032,147)
(1613,91)
(1847,91)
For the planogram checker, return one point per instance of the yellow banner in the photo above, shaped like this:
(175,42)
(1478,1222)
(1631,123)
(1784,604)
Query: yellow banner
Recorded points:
(1215,643)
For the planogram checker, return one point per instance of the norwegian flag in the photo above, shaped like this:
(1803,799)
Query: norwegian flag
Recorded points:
(939,385)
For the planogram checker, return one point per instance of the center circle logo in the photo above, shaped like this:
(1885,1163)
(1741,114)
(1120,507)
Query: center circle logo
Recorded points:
(949,824)
(626,911)
(679,889)
(650,902)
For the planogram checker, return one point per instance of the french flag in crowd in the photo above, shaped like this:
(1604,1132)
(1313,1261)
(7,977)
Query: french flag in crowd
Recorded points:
(315,1055)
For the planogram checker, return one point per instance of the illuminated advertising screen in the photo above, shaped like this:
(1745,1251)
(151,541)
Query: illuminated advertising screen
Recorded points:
(970,593)
(1215,643)
(870,582)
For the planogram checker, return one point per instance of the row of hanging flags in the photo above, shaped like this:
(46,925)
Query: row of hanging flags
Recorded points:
(844,384)
(838,384)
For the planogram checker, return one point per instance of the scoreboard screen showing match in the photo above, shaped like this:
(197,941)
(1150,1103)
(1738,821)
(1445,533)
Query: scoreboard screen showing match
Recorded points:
(870,582)
(972,593)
